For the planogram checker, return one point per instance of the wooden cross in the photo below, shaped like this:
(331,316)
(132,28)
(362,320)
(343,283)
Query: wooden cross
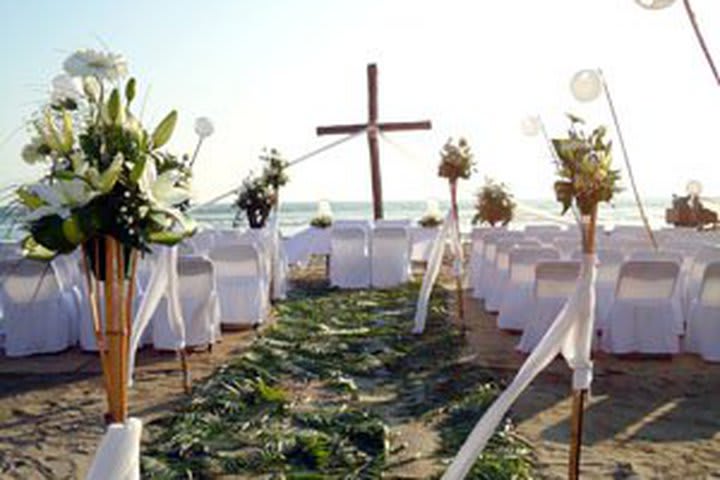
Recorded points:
(373,127)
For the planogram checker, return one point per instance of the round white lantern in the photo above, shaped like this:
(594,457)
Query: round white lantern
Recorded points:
(204,127)
(655,4)
(586,85)
(694,188)
(530,126)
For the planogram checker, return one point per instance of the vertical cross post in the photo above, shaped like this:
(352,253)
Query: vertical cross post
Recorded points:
(372,135)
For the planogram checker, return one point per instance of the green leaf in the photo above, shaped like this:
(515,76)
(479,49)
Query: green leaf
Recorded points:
(138,169)
(110,176)
(67,140)
(130,88)
(164,130)
(34,251)
(51,135)
(29,199)
(114,107)
(72,230)
(166,238)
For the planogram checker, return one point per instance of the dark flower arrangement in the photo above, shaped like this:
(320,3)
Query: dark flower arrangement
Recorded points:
(494,204)
(259,194)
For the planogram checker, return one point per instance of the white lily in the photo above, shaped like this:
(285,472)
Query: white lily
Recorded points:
(59,198)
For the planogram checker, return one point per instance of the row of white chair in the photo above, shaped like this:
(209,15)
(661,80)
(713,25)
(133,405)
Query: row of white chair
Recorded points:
(624,283)
(360,257)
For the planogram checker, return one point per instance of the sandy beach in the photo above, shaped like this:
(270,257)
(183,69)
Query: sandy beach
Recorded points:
(650,418)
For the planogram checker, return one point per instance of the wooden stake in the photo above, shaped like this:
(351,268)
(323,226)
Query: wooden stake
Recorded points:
(578,404)
(578,396)
(185,363)
(701,40)
(460,307)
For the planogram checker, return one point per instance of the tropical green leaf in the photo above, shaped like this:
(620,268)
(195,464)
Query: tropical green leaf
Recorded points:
(34,251)
(164,130)
(110,176)
(67,138)
(130,89)
(29,199)
(138,169)
(71,228)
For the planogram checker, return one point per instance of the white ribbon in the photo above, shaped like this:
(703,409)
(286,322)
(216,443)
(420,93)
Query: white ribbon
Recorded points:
(448,230)
(118,455)
(571,335)
(164,282)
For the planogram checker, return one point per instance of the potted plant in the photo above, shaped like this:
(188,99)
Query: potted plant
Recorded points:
(585,175)
(494,204)
(456,162)
(323,217)
(258,195)
(110,190)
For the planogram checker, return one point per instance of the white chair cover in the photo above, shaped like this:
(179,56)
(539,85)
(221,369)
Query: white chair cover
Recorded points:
(554,283)
(703,329)
(422,241)
(37,313)
(203,241)
(401,222)
(241,286)
(499,285)
(516,307)
(390,260)
(482,288)
(642,318)
(535,229)
(349,257)
(476,261)
(118,455)
(695,274)
(199,307)
(609,263)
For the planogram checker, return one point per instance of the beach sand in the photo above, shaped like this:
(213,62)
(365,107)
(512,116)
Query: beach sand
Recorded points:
(654,418)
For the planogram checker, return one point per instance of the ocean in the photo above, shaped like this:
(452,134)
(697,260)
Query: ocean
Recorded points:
(294,216)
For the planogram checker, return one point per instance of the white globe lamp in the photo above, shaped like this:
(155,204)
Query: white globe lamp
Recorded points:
(586,85)
(655,4)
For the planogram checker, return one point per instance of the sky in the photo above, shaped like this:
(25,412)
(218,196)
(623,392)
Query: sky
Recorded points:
(267,73)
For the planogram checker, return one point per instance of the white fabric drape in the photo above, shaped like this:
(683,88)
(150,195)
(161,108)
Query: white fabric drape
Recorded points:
(571,335)
(448,231)
(118,455)
(279,261)
(163,283)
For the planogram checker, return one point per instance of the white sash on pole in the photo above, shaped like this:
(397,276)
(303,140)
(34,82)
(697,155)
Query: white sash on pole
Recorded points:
(118,455)
(432,271)
(571,335)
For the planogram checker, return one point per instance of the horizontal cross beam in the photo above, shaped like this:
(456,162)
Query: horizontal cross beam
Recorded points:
(383,127)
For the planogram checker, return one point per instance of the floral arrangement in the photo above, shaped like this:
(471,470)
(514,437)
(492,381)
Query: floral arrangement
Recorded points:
(431,220)
(321,221)
(494,204)
(586,176)
(107,174)
(456,160)
(259,194)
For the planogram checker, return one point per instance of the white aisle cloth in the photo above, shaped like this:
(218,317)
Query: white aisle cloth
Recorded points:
(571,335)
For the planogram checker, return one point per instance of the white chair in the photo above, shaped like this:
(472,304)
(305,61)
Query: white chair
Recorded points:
(642,318)
(703,329)
(608,270)
(203,241)
(199,306)
(637,231)
(555,282)
(695,274)
(241,286)
(567,245)
(349,258)
(390,257)
(516,307)
(544,233)
(37,313)
(399,222)
(475,263)
(499,283)
(481,289)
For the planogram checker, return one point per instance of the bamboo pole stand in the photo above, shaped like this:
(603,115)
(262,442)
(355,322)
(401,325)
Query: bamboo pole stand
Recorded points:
(579,396)
(110,282)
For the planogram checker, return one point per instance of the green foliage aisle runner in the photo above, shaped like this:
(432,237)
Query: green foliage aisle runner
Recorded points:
(324,393)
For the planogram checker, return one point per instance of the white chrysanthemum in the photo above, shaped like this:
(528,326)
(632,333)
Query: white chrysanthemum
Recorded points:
(204,127)
(91,63)
(63,88)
